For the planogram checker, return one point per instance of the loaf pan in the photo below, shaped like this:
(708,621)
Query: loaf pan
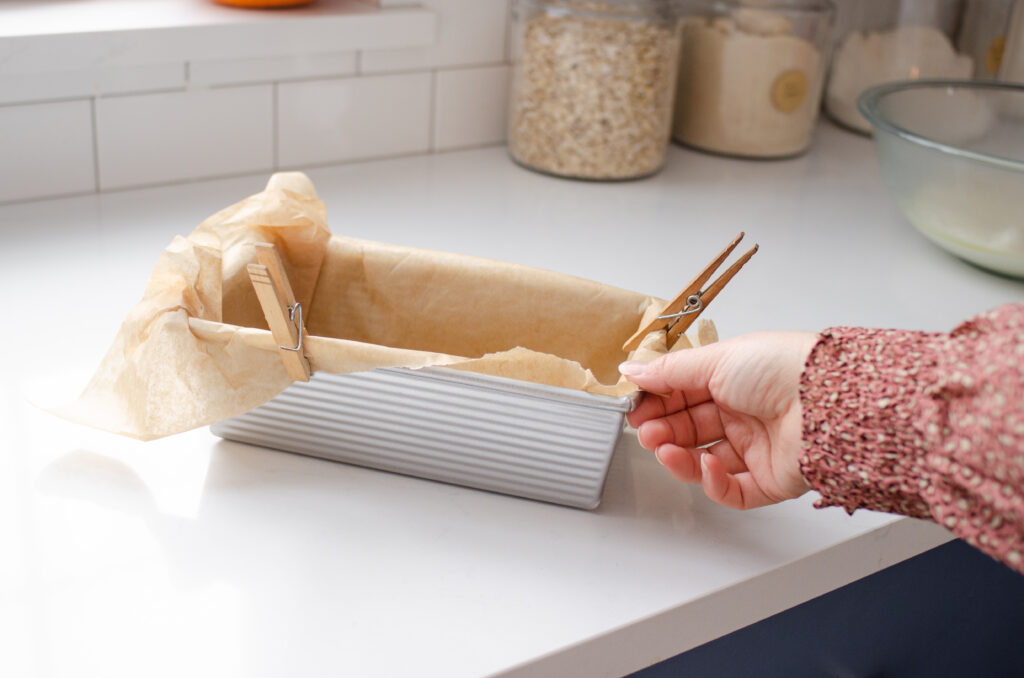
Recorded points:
(491,433)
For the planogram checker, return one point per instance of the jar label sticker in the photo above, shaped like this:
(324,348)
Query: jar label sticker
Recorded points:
(994,55)
(789,90)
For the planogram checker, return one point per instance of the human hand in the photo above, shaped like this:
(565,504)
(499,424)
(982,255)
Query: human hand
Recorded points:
(739,398)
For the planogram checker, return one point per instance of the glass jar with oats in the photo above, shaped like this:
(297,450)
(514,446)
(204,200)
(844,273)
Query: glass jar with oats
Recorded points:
(592,86)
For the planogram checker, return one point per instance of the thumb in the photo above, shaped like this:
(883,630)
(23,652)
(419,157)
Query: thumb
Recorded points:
(688,371)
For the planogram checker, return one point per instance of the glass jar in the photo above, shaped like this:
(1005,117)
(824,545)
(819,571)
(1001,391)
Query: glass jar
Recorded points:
(887,40)
(1012,67)
(983,34)
(592,86)
(751,74)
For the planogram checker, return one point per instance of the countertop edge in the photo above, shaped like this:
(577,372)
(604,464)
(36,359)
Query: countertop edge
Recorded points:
(653,639)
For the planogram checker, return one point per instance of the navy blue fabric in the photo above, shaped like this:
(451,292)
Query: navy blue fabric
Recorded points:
(951,611)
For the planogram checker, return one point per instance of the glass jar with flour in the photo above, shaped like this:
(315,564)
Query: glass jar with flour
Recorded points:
(751,74)
(886,40)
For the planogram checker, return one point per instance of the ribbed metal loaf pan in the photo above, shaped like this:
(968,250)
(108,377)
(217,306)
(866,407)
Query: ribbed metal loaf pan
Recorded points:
(528,440)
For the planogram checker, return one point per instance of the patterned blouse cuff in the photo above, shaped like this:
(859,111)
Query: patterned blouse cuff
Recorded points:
(862,405)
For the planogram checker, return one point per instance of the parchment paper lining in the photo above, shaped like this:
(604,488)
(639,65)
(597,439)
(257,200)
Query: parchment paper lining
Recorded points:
(195,349)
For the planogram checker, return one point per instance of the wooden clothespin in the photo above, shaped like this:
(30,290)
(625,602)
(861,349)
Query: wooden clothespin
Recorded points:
(679,314)
(283,312)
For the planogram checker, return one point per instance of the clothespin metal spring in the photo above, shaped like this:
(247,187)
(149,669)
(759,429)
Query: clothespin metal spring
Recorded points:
(694,305)
(293,310)
(692,300)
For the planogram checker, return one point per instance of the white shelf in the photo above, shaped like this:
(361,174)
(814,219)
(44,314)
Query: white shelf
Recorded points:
(76,34)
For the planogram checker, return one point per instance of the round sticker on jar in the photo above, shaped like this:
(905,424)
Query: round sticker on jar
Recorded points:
(789,90)
(994,55)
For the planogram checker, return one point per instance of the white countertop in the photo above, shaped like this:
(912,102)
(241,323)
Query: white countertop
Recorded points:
(196,556)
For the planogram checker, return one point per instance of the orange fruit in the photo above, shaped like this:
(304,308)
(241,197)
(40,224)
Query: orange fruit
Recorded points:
(264,3)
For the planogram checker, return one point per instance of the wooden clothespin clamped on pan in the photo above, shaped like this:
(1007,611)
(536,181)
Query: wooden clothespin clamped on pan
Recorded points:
(679,314)
(283,312)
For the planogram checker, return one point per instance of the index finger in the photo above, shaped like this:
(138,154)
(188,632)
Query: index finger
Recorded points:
(688,371)
(653,406)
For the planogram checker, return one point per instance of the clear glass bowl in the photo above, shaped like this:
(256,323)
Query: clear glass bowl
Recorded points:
(952,156)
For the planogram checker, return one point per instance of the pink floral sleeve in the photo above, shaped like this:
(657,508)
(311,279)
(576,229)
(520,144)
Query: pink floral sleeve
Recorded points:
(923,424)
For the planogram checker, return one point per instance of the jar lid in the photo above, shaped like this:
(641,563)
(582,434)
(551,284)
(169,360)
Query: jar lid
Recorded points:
(695,7)
(605,8)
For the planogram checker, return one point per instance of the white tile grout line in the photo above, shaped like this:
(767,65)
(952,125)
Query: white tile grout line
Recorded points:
(275,133)
(264,172)
(438,69)
(252,173)
(379,158)
(363,76)
(51,196)
(145,92)
(49,100)
(189,85)
(431,134)
(467,147)
(95,144)
(508,33)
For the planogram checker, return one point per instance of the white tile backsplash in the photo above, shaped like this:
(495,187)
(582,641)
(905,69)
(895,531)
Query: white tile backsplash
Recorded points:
(267,69)
(469,107)
(468,32)
(46,149)
(159,138)
(154,107)
(32,86)
(327,121)
(146,78)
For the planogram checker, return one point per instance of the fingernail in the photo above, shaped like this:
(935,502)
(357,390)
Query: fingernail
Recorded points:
(632,368)
(704,462)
